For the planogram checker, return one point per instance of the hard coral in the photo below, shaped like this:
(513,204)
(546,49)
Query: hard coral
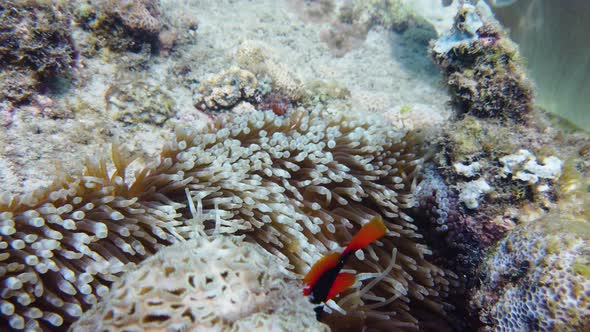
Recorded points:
(482,67)
(275,102)
(298,186)
(35,46)
(538,278)
(206,284)
(439,203)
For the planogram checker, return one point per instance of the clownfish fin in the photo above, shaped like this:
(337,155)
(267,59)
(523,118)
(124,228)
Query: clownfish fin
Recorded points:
(342,282)
(324,264)
(370,232)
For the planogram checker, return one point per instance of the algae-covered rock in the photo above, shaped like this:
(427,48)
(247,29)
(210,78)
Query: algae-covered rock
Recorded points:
(120,25)
(482,67)
(36,46)
(17,84)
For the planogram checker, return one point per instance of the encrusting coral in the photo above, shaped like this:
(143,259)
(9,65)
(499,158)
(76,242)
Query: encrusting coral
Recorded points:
(298,186)
(215,283)
(538,279)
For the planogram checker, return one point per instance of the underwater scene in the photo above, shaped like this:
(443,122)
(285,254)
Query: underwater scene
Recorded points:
(294,165)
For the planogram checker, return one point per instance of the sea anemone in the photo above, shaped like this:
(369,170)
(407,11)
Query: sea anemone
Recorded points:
(206,284)
(298,186)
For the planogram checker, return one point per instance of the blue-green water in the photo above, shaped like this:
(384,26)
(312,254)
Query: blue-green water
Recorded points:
(553,38)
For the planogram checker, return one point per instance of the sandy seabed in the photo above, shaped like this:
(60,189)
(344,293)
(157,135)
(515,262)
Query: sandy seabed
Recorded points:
(381,73)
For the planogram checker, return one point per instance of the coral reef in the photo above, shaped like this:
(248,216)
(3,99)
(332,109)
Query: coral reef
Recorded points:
(472,190)
(275,102)
(487,173)
(520,163)
(261,60)
(238,90)
(137,15)
(523,166)
(322,91)
(391,14)
(120,25)
(217,283)
(35,46)
(482,67)
(298,186)
(225,90)
(504,172)
(538,278)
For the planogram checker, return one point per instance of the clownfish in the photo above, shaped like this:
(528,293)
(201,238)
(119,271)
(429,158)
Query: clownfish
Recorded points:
(324,280)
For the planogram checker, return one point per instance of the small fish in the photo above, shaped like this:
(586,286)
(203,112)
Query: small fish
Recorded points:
(324,280)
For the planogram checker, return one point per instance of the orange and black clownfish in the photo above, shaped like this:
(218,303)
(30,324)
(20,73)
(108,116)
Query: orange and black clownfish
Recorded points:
(324,280)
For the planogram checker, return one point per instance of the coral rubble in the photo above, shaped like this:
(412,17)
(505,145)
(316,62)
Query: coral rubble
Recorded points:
(297,186)
(210,283)
(482,67)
